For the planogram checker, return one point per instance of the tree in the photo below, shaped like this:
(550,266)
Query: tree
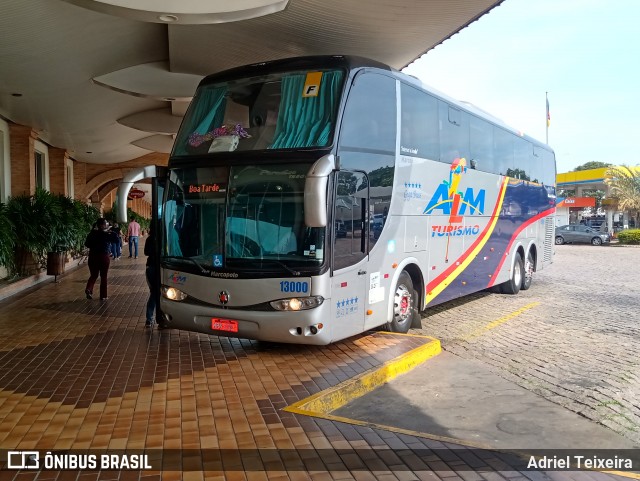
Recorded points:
(566,193)
(596,194)
(624,183)
(592,165)
(382,177)
(518,174)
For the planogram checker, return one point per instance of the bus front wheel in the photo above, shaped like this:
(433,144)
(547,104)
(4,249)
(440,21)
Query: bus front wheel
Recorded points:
(512,286)
(404,304)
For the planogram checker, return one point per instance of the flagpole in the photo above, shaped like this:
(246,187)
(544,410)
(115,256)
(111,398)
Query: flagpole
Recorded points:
(547,119)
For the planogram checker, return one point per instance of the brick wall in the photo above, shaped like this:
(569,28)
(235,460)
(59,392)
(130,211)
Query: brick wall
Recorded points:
(87,178)
(23,175)
(141,207)
(79,178)
(57,171)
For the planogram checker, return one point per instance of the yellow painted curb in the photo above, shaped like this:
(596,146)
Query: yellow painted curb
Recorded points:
(324,402)
(321,405)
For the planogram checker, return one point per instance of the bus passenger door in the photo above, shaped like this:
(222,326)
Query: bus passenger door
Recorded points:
(349,261)
(158,184)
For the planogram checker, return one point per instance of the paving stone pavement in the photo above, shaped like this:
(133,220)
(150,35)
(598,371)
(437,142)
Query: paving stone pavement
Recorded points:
(577,347)
(81,374)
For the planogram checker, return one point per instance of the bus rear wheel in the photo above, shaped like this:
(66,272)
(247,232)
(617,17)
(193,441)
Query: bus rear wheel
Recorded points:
(404,304)
(512,286)
(528,272)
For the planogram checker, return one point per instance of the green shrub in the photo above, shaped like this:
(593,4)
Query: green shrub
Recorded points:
(131,215)
(45,222)
(631,236)
(7,239)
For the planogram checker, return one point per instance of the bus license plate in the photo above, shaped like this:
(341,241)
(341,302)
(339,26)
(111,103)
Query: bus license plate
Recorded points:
(226,325)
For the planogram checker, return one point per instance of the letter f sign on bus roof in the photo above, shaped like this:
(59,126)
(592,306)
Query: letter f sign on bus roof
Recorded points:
(312,84)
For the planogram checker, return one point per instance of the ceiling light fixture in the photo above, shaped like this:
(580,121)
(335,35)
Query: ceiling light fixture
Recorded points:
(168,18)
(184,12)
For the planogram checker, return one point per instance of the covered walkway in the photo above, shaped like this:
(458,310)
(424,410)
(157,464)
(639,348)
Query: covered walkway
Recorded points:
(85,374)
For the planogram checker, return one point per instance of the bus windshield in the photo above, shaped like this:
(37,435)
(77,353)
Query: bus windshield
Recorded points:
(240,217)
(277,111)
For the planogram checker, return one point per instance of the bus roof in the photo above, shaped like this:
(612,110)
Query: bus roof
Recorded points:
(350,62)
(469,107)
(347,62)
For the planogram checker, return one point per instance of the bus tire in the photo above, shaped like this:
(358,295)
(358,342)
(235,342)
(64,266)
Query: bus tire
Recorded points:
(528,270)
(512,286)
(404,304)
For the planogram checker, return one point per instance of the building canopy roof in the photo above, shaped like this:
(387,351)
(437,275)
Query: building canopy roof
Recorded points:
(110,83)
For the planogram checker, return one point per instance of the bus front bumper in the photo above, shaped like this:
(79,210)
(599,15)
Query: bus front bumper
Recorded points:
(299,327)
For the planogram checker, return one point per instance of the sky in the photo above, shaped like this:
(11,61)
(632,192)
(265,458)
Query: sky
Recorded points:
(584,53)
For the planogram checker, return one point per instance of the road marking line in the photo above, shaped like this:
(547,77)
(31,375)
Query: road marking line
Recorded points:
(499,322)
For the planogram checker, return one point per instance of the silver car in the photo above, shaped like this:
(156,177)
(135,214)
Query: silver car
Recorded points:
(580,233)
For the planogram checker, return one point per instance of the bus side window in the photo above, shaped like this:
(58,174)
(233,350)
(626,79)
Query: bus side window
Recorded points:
(419,128)
(454,133)
(481,145)
(503,151)
(351,227)
(369,120)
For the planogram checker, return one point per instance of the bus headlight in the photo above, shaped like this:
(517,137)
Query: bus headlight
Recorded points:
(173,294)
(297,303)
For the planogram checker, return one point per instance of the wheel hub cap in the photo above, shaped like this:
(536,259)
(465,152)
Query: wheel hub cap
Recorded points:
(528,270)
(402,304)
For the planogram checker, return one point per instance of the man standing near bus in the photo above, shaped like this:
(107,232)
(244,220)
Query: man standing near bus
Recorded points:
(133,233)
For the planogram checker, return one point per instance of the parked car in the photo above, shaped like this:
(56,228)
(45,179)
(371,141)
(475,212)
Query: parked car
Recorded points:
(377,222)
(341,230)
(580,234)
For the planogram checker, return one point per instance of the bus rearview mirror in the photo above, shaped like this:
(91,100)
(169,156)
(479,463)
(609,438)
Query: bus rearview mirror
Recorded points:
(315,191)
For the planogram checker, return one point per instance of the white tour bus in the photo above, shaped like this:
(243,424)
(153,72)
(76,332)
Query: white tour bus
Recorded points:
(310,199)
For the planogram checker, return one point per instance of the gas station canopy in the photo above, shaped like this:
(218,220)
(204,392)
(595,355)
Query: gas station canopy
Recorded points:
(109,80)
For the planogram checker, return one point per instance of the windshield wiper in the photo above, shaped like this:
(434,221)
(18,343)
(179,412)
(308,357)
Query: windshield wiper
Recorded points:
(190,259)
(282,264)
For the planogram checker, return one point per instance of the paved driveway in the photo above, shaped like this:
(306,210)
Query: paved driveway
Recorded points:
(572,338)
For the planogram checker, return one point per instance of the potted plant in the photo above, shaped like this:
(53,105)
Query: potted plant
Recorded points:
(32,217)
(7,240)
(47,226)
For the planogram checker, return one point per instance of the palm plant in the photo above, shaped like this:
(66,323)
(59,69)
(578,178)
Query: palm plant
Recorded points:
(624,182)
(44,223)
(76,220)
(7,239)
(35,221)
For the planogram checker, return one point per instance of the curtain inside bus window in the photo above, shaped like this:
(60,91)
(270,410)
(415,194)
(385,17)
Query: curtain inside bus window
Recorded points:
(171,220)
(306,121)
(207,114)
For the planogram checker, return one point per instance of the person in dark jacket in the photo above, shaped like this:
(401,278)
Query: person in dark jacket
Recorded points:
(116,248)
(152,274)
(99,243)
